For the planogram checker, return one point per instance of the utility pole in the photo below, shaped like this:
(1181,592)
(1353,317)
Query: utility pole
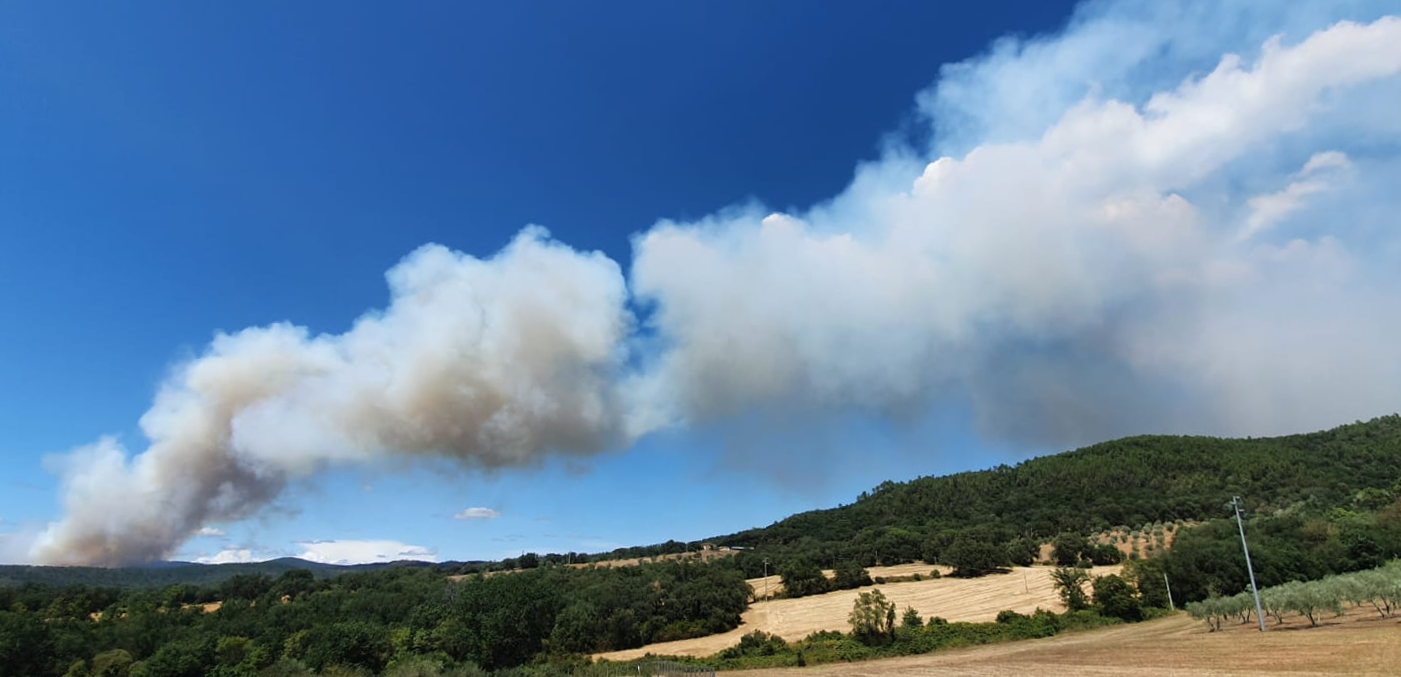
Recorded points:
(1169,592)
(1259,613)
(766,578)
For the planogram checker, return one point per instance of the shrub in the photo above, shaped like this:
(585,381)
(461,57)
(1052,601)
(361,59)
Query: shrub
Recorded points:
(1070,585)
(850,575)
(872,618)
(911,619)
(1115,598)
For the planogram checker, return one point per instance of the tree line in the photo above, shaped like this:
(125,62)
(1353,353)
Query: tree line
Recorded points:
(368,621)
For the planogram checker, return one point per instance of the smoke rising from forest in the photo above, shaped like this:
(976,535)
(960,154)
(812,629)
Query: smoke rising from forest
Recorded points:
(1195,235)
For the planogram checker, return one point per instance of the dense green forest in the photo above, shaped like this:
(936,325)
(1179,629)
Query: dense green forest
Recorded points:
(172,573)
(1130,481)
(1318,504)
(361,619)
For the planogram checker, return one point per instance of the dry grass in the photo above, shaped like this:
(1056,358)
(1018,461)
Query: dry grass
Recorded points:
(955,599)
(1356,645)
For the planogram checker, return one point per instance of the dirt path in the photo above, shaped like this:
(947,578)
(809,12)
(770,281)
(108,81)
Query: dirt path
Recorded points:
(954,599)
(1356,645)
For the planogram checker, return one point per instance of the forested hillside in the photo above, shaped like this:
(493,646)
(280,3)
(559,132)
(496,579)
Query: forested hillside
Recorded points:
(360,619)
(1131,481)
(173,573)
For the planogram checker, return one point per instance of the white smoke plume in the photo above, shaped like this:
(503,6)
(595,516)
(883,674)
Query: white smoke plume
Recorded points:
(1089,281)
(487,362)
(1175,217)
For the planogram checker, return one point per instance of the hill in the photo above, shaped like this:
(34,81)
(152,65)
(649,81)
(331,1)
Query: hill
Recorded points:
(162,574)
(1146,480)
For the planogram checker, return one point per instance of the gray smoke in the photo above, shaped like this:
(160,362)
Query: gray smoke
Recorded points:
(1125,227)
(487,362)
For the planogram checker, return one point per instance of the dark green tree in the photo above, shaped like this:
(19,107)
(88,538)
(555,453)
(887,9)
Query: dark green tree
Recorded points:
(1068,549)
(801,578)
(970,558)
(872,618)
(1070,585)
(850,575)
(1115,598)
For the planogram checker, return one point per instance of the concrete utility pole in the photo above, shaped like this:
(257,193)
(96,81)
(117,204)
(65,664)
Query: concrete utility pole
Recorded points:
(766,578)
(1259,613)
(1168,585)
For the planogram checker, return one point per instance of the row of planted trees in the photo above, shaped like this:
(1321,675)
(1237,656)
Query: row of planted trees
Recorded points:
(1377,589)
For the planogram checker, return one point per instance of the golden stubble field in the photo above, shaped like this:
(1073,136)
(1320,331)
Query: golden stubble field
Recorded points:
(955,599)
(1357,645)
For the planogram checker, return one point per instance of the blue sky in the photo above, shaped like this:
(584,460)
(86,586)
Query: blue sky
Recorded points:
(169,171)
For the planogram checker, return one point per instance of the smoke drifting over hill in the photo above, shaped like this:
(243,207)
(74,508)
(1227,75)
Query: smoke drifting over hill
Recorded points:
(1162,219)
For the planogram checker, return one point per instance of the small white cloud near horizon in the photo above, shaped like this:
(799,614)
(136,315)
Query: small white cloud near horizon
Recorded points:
(363,552)
(232,556)
(210,532)
(477,514)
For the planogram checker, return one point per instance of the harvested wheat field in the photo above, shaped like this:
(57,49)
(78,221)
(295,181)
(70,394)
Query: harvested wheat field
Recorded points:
(955,599)
(1355,645)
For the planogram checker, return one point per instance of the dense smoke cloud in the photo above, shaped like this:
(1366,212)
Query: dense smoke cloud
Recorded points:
(1166,218)
(486,362)
(1104,277)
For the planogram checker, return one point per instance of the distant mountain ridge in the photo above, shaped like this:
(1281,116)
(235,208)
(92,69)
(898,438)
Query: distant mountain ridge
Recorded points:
(161,574)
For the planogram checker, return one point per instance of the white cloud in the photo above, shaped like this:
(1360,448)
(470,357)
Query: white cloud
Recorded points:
(210,532)
(363,552)
(1037,281)
(1316,177)
(477,514)
(232,556)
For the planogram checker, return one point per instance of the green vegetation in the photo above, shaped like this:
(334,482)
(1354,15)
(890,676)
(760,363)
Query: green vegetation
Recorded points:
(1294,545)
(1147,480)
(873,618)
(1378,589)
(173,573)
(760,650)
(373,621)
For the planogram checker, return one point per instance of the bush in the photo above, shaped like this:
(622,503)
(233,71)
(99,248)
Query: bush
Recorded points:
(1115,599)
(971,558)
(802,578)
(850,575)
(1008,616)
(911,619)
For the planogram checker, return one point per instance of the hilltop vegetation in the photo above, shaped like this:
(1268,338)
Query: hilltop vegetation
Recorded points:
(177,573)
(365,620)
(1142,480)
